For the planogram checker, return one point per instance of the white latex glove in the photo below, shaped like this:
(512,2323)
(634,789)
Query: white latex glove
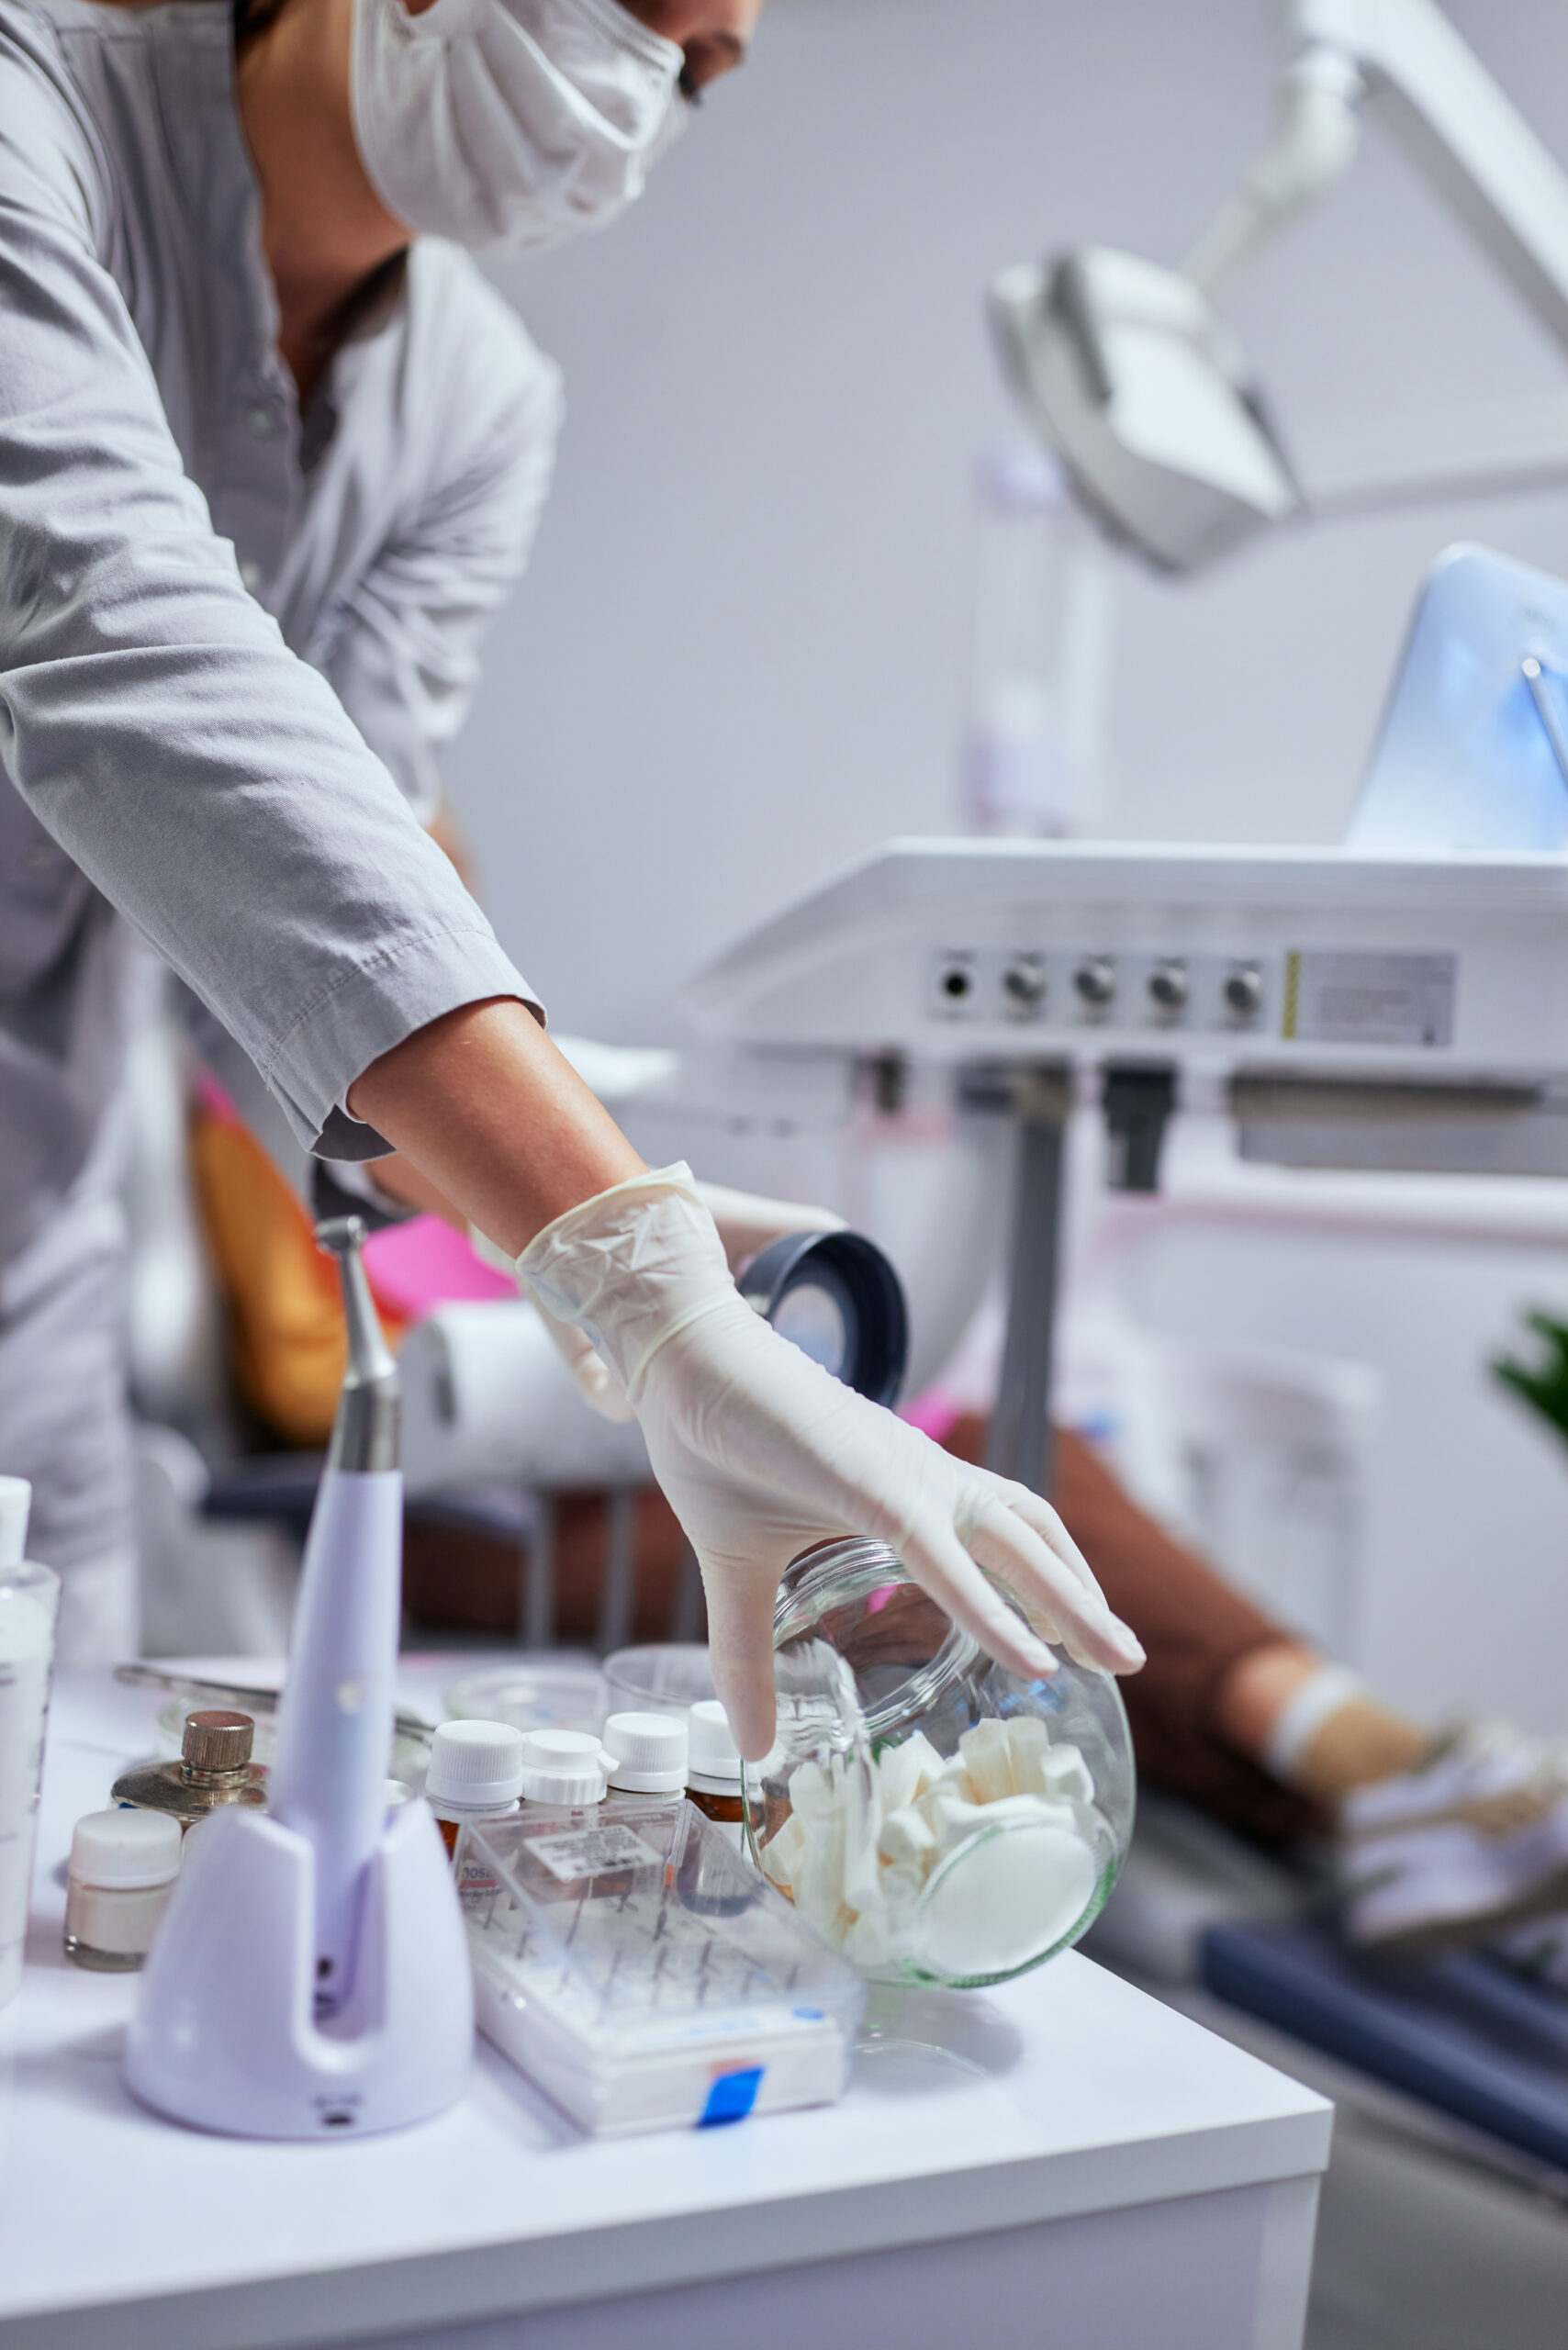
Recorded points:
(763,1453)
(745,1222)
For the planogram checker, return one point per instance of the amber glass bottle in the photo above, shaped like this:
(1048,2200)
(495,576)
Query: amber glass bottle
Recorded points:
(713,1774)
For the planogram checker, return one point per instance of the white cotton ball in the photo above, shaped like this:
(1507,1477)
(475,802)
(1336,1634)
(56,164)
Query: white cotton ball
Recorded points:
(907,1836)
(819,1873)
(1014,1811)
(1008,1899)
(952,1819)
(902,1881)
(781,1854)
(1028,1743)
(904,1770)
(989,1760)
(1066,1775)
(813,1793)
(861,1818)
(869,1941)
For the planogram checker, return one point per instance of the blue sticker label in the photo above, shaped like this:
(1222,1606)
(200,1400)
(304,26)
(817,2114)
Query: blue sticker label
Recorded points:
(730,2098)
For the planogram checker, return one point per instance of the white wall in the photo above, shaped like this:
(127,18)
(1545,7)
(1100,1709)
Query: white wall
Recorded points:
(739,657)
(738,660)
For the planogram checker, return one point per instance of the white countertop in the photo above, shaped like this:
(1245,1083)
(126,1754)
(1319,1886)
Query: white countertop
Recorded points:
(1066,2092)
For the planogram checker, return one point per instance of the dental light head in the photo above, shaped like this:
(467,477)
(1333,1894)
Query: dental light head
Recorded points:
(1125,371)
(1124,368)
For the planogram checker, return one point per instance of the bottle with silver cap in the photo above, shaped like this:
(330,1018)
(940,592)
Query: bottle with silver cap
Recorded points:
(123,1867)
(648,1756)
(214,1768)
(476,1772)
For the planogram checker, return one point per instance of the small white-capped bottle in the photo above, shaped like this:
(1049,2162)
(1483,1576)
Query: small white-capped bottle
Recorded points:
(123,1867)
(714,1773)
(476,1772)
(647,1755)
(564,1768)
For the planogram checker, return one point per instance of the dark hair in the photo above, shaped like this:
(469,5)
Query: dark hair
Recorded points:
(252,17)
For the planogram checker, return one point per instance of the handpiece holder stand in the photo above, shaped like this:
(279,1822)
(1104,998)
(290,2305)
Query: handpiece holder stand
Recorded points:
(225,2034)
(311,1976)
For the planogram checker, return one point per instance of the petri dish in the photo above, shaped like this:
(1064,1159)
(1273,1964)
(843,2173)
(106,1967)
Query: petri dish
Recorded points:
(554,1693)
(664,1677)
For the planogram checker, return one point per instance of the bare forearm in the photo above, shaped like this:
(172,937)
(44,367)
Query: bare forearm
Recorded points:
(486,1110)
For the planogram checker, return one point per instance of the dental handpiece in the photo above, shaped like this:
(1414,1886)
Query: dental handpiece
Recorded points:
(329,1775)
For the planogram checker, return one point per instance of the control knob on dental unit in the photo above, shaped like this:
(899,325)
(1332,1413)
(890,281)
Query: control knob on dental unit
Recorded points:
(1023,982)
(1168,986)
(1243,991)
(1095,979)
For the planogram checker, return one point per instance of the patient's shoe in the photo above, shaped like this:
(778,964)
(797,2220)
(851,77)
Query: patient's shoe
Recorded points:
(1538,1951)
(1473,1844)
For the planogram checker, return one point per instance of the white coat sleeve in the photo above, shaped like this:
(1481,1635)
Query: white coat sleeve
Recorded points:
(203,778)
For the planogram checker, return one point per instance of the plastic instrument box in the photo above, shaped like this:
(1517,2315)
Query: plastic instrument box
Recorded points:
(638,1968)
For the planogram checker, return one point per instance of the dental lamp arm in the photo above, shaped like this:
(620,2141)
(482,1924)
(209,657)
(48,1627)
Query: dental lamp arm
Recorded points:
(1458,126)
(1318,132)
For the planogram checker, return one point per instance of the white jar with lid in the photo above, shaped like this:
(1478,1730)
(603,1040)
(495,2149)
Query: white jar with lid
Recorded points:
(123,1867)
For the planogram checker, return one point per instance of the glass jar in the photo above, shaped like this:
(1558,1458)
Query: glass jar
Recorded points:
(935,1816)
(660,1677)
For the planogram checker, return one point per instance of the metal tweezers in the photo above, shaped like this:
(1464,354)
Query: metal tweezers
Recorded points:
(254,1701)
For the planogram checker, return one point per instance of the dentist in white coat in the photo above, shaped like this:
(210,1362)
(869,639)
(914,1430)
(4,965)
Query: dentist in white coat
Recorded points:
(270,450)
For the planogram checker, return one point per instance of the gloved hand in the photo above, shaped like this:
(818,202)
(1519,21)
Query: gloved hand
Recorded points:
(763,1453)
(746,1223)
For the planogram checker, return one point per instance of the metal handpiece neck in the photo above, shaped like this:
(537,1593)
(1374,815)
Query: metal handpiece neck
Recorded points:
(365,1431)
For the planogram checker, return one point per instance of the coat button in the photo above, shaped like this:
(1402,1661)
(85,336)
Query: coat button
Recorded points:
(264,421)
(251,575)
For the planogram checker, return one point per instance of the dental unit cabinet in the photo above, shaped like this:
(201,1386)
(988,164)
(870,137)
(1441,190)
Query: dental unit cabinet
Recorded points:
(309,1979)
(1351,1008)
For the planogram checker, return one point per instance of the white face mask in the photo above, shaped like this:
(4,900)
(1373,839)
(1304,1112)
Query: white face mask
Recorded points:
(509,122)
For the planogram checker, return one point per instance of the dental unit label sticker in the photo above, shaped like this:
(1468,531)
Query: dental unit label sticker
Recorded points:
(1338,997)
